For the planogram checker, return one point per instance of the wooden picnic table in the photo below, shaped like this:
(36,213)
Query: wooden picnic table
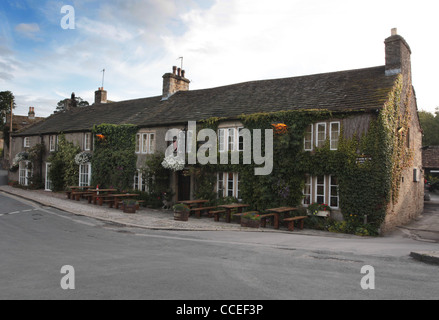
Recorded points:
(73,189)
(117,197)
(198,203)
(230,207)
(96,194)
(275,213)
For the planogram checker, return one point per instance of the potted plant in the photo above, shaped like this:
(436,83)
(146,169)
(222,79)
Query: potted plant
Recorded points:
(251,220)
(130,206)
(319,210)
(181,212)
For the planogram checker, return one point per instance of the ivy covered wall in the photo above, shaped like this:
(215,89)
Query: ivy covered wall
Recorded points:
(114,158)
(366,187)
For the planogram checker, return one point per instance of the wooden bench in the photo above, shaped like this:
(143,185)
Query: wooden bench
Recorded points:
(267,215)
(216,214)
(292,220)
(198,211)
(121,202)
(77,195)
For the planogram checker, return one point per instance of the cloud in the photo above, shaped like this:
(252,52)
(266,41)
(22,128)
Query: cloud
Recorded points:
(28,30)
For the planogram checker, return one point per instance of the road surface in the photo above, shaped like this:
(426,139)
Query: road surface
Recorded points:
(114,262)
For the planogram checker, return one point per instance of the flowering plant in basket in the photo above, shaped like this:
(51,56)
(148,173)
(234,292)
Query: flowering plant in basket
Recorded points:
(316,207)
(252,216)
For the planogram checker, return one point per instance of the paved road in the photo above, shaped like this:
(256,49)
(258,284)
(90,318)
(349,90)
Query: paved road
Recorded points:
(115,262)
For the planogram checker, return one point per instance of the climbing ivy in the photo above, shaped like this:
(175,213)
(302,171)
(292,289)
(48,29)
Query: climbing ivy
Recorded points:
(64,171)
(366,188)
(114,158)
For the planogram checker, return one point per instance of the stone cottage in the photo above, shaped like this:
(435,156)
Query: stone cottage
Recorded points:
(364,119)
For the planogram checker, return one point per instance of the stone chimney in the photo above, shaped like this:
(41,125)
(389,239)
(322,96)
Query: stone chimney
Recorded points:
(397,55)
(100,96)
(70,103)
(174,82)
(31,114)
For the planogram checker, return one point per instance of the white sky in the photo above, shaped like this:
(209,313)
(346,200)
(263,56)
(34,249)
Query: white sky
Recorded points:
(222,42)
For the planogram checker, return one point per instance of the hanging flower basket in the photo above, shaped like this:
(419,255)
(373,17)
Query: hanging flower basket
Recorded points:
(173,163)
(21,156)
(83,158)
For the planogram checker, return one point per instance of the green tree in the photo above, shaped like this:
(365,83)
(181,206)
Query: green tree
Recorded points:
(63,169)
(6,97)
(430,126)
(77,102)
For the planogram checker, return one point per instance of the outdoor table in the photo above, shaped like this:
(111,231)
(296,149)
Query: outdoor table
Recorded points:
(198,203)
(123,195)
(75,189)
(276,212)
(230,207)
(96,195)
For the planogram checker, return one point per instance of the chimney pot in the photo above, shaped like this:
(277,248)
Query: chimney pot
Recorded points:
(183,72)
(174,70)
(179,72)
(31,114)
(394,32)
(100,96)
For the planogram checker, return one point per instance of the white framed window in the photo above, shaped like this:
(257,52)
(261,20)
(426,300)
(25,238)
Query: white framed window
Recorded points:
(240,140)
(308,140)
(220,185)
(333,192)
(25,172)
(26,142)
(87,141)
(145,143)
(228,185)
(85,175)
(307,190)
(334,134)
(140,181)
(320,190)
(138,142)
(151,143)
(136,185)
(222,140)
(48,183)
(229,139)
(53,143)
(320,134)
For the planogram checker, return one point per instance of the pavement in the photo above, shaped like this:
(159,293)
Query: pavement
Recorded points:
(424,228)
(3,177)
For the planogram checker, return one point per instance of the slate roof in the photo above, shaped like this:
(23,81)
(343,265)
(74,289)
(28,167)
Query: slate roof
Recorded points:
(430,157)
(357,90)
